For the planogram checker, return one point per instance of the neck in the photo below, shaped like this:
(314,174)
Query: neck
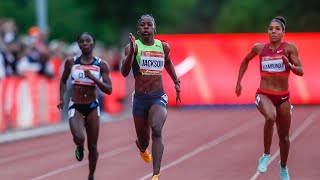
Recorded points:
(275,45)
(87,57)
(147,40)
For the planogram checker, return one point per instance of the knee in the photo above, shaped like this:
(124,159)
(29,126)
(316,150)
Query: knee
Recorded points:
(284,139)
(270,119)
(156,132)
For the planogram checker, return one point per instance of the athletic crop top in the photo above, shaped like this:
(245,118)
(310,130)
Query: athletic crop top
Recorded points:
(77,72)
(271,63)
(149,59)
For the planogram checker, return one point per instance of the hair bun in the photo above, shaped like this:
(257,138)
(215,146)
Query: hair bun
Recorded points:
(282,19)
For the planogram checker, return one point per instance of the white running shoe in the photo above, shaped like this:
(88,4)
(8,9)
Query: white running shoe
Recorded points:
(263,163)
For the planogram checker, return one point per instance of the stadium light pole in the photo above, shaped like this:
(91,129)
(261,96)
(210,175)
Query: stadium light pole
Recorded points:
(41,6)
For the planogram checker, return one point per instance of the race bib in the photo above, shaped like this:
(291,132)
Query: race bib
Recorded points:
(272,64)
(151,62)
(79,76)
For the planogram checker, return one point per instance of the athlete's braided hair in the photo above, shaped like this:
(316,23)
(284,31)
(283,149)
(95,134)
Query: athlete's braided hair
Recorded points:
(147,15)
(93,38)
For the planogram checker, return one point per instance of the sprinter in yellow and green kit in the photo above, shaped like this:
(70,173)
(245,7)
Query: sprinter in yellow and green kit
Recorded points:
(147,57)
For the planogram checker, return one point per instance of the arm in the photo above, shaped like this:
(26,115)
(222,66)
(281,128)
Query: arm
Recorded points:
(130,50)
(244,65)
(63,82)
(296,66)
(104,85)
(171,71)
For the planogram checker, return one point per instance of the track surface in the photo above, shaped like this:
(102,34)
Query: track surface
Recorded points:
(200,144)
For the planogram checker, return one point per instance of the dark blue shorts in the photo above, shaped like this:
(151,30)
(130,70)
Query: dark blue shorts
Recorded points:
(141,102)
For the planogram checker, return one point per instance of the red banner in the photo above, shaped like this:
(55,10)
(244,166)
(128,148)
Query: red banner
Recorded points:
(208,66)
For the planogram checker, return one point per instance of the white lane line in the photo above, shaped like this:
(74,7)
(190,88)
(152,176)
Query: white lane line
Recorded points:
(295,134)
(207,146)
(23,155)
(79,164)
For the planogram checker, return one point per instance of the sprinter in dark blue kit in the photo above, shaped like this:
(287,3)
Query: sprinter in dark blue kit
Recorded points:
(84,113)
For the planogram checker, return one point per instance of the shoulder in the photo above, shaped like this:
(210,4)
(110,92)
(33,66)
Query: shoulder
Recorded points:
(104,64)
(257,48)
(165,46)
(290,47)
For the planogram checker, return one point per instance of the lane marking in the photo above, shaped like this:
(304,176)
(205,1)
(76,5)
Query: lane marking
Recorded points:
(85,162)
(295,134)
(207,146)
(22,155)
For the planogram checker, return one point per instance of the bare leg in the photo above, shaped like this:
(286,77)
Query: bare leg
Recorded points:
(283,127)
(143,132)
(77,126)
(157,118)
(92,127)
(268,110)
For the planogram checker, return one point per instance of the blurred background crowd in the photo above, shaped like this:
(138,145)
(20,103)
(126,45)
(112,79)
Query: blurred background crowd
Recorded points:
(34,52)
(36,35)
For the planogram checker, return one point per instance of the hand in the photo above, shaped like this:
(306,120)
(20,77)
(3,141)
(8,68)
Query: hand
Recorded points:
(132,42)
(88,74)
(238,89)
(60,105)
(285,61)
(178,99)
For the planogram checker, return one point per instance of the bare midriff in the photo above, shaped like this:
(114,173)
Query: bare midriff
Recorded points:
(149,83)
(83,94)
(274,83)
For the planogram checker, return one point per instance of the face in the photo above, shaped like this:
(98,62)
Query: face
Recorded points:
(275,32)
(86,43)
(146,26)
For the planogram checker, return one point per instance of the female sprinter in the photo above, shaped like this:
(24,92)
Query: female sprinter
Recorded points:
(84,113)
(277,59)
(148,57)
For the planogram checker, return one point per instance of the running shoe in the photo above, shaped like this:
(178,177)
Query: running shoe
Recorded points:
(145,155)
(90,177)
(263,163)
(79,153)
(155,177)
(284,172)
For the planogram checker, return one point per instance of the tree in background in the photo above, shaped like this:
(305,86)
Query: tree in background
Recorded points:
(111,20)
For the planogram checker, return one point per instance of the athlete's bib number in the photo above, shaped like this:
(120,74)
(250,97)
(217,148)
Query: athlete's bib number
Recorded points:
(273,66)
(151,62)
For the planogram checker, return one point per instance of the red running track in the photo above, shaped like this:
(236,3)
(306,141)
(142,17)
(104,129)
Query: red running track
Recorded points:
(200,144)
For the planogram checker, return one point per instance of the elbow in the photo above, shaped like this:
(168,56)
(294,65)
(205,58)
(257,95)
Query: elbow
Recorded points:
(124,73)
(301,74)
(109,91)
